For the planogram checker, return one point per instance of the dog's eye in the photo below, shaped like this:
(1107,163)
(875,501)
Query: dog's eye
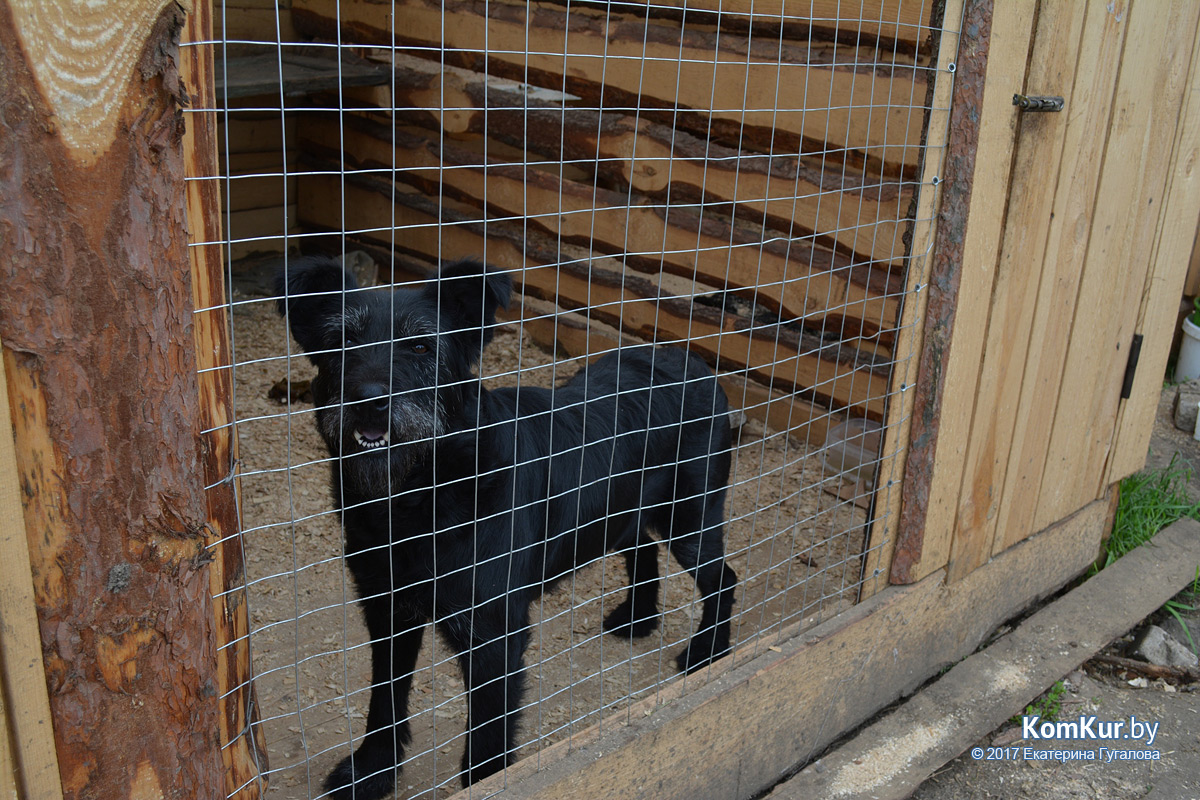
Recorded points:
(420,349)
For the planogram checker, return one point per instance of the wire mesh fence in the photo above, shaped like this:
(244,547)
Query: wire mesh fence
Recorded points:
(734,179)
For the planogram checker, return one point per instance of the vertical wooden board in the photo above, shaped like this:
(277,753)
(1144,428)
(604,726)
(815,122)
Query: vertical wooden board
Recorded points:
(30,746)
(8,767)
(965,319)
(1154,69)
(1018,273)
(881,541)
(1168,270)
(243,751)
(1075,199)
(1191,286)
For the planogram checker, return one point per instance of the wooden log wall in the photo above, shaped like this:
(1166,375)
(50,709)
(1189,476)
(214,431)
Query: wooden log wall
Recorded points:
(240,23)
(740,182)
(259,197)
(252,140)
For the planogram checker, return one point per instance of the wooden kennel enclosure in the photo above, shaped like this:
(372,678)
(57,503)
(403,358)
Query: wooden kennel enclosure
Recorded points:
(996,288)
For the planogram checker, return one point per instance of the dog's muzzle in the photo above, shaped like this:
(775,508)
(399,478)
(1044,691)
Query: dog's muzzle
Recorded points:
(372,399)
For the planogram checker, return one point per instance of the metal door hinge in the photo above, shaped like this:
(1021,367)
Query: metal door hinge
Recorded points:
(1135,351)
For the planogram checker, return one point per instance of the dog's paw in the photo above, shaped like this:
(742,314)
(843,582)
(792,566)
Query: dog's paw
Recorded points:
(375,781)
(621,622)
(701,650)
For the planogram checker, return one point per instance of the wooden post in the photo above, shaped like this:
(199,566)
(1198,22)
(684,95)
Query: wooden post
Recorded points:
(242,746)
(99,355)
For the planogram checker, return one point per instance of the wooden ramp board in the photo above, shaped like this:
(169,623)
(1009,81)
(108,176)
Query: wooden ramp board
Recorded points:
(891,758)
(739,89)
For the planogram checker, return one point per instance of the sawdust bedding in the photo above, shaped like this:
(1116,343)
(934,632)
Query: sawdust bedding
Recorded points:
(795,548)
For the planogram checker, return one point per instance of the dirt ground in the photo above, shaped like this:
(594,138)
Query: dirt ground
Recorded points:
(795,547)
(1100,691)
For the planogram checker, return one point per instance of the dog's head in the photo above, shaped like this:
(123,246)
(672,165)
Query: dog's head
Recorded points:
(394,367)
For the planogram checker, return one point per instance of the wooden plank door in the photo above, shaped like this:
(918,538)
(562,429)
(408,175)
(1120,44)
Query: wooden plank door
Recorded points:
(1116,280)
(1080,243)
(1079,272)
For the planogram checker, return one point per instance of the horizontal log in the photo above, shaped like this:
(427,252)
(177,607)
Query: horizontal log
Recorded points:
(260,222)
(902,21)
(791,277)
(571,277)
(863,213)
(273,74)
(256,192)
(737,88)
(252,24)
(253,132)
(574,335)
(266,162)
(844,324)
(571,335)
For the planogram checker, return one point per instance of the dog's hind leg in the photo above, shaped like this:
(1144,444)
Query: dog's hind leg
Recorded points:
(702,553)
(370,772)
(494,678)
(637,615)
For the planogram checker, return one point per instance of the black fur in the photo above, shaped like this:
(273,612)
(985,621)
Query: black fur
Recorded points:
(514,487)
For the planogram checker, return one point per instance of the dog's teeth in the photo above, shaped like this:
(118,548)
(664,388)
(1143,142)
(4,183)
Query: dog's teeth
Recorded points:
(371,444)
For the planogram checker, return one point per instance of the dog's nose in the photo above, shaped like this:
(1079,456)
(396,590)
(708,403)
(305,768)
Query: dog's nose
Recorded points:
(375,395)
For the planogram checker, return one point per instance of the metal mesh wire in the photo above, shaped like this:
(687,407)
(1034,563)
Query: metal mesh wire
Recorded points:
(729,177)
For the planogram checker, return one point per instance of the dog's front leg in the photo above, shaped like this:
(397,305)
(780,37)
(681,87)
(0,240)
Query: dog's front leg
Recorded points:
(371,771)
(495,680)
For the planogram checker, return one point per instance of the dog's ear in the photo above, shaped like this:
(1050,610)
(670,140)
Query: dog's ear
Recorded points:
(470,292)
(307,290)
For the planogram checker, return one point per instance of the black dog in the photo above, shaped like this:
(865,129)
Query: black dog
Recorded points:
(461,505)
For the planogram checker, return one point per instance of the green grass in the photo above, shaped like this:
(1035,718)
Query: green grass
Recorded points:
(1048,706)
(1175,606)
(1149,501)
